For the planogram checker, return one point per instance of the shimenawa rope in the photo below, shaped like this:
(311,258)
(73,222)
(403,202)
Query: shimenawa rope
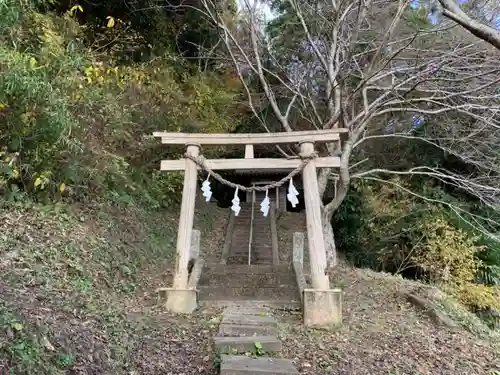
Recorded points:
(201,162)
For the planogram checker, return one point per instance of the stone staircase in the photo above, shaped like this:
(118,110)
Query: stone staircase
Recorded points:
(247,340)
(237,282)
(247,337)
(261,240)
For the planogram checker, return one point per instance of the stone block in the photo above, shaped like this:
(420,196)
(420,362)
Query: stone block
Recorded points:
(322,308)
(298,247)
(269,344)
(181,301)
(194,251)
(243,365)
(195,275)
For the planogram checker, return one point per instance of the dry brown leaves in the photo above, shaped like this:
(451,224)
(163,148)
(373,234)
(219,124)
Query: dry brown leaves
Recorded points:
(384,334)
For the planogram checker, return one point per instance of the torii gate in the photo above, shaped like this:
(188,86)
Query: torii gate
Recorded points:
(180,298)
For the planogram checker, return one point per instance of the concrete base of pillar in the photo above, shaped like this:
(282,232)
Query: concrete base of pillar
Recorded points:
(181,301)
(322,308)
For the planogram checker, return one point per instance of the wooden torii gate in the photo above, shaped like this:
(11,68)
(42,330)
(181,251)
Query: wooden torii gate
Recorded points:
(180,298)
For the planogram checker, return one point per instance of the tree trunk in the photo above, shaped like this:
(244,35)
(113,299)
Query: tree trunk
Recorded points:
(329,209)
(326,219)
(330,249)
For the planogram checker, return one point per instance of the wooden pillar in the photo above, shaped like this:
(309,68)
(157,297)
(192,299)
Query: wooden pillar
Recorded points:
(317,253)
(186,220)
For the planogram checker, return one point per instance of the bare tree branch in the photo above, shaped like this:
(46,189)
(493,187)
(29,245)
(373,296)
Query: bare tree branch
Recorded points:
(363,65)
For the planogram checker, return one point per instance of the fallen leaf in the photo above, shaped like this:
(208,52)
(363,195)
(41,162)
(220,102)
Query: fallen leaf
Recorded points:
(46,343)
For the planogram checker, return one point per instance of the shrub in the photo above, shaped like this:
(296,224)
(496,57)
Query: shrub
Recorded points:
(449,256)
(76,127)
(384,227)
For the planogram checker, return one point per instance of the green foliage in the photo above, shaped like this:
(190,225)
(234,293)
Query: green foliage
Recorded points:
(259,350)
(417,18)
(489,255)
(23,348)
(384,227)
(77,127)
(350,224)
(139,30)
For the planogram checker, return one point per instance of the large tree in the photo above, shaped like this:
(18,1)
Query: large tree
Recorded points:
(482,30)
(379,69)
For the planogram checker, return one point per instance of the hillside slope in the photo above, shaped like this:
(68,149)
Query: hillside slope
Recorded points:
(77,292)
(77,298)
(383,333)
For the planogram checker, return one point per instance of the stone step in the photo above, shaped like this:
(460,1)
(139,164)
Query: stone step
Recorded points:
(224,292)
(260,238)
(256,250)
(244,214)
(247,269)
(260,320)
(244,302)
(264,256)
(257,215)
(242,244)
(238,275)
(243,365)
(263,261)
(242,247)
(240,252)
(253,256)
(237,345)
(235,330)
(238,260)
(245,280)
(244,228)
(246,309)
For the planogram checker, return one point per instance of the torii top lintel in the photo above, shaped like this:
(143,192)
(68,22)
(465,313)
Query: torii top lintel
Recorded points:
(317,136)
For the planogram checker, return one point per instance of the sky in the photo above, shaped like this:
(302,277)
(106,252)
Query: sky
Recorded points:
(265,8)
(433,17)
(491,11)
